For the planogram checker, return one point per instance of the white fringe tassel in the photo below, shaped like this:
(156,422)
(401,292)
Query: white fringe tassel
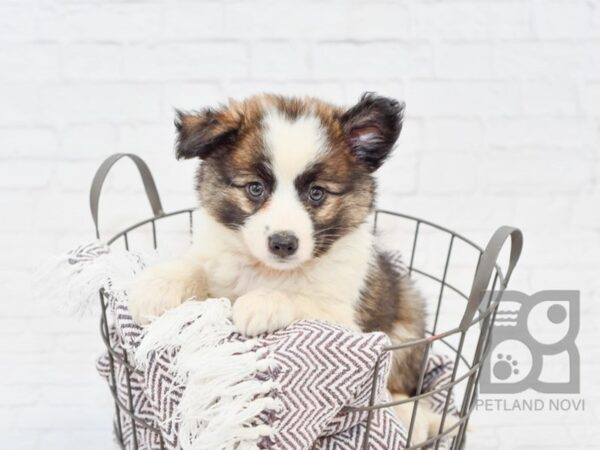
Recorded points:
(71,281)
(222,396)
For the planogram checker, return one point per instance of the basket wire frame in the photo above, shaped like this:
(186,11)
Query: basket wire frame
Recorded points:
(484,319)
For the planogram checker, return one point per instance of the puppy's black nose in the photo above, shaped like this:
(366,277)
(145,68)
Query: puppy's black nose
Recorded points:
(283,244)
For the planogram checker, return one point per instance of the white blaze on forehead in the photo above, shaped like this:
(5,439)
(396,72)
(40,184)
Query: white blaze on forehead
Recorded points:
(293,144)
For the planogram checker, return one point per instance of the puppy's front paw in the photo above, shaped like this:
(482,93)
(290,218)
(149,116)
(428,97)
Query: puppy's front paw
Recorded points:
(426,423)
(420,431)
(421,427)
(163,287)
(262,311)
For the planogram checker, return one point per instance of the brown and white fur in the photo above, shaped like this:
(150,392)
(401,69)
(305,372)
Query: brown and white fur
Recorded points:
(300,170)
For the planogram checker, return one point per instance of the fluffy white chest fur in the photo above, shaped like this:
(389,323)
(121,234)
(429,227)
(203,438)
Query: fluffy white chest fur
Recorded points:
(219,265)
(329,286)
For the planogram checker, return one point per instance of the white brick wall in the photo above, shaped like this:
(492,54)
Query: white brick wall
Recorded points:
(503,127)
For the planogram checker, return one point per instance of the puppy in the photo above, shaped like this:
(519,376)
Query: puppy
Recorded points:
(287,190)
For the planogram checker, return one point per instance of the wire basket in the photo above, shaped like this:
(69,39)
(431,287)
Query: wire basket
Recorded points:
(464,280)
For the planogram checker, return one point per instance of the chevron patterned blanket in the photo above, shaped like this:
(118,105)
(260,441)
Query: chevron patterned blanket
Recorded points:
(202,386)
(293,389)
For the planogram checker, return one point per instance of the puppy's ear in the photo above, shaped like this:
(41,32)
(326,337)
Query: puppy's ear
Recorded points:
(372,127)
(202,133)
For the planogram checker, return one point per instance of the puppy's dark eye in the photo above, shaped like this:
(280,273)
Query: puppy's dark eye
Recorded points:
(255,190)
(316,195)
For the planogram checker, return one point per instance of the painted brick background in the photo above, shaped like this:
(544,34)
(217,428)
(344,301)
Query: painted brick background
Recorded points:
(503,126)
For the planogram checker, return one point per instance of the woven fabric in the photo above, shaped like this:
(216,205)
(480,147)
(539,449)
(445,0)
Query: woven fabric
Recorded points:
(321,371)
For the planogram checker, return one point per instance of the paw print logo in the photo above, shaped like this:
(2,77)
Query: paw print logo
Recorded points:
(505,367)
(529,331)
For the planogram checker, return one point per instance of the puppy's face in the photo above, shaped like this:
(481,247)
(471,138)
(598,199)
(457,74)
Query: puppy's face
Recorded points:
(291,176)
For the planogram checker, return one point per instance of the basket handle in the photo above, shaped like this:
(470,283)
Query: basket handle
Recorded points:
(486,266)
(147,179)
